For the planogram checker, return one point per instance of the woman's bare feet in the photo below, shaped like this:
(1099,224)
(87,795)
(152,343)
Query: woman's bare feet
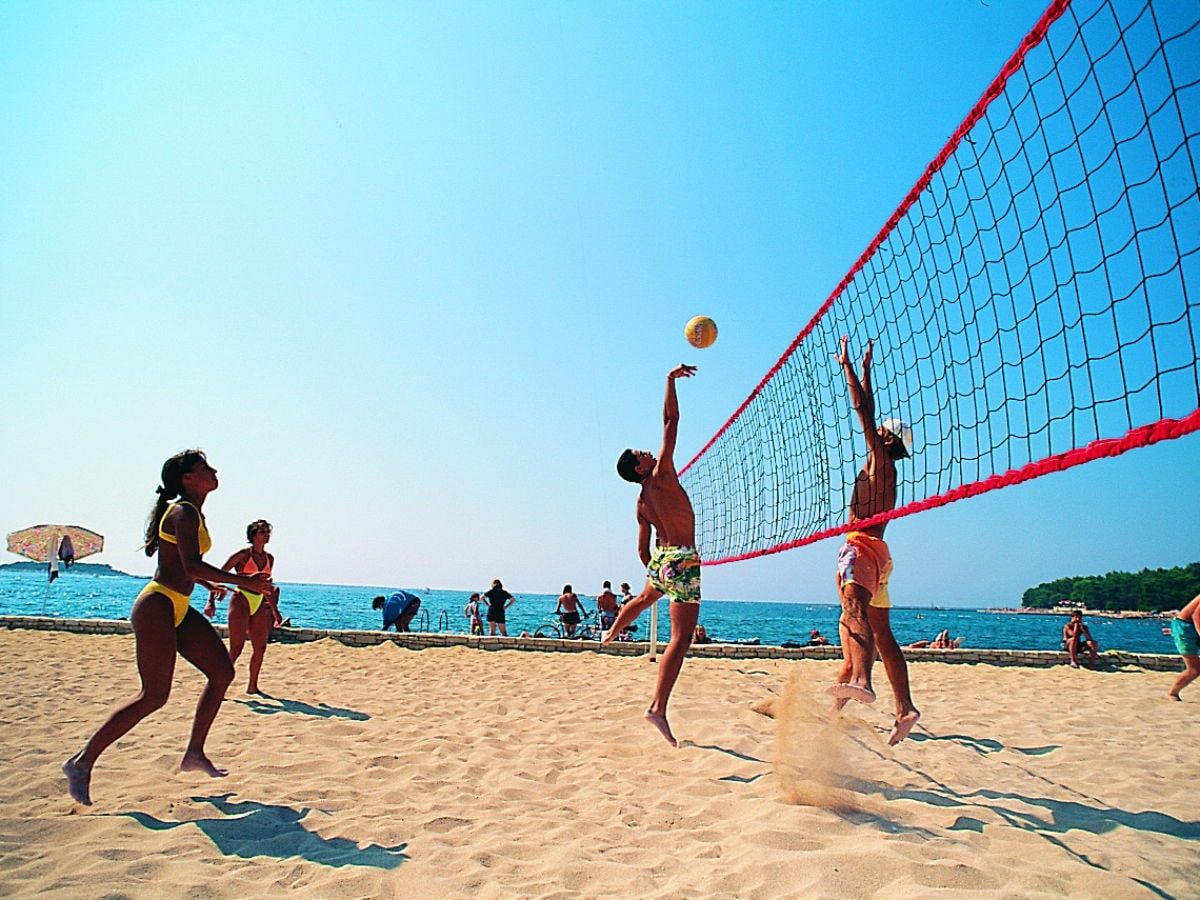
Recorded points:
(79,781)
(660,722)
(195,761)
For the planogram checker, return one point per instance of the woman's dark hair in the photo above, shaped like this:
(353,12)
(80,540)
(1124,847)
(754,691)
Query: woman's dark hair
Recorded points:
(627,467)
(377,603)
(173,471)
(255,527)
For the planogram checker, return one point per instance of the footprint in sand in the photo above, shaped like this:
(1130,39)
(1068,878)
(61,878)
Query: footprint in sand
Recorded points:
(445,823)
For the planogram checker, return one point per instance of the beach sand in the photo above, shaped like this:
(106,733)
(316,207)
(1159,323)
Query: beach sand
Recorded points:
(384,772)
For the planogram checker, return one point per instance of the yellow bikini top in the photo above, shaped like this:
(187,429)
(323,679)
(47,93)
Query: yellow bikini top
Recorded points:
(202,534)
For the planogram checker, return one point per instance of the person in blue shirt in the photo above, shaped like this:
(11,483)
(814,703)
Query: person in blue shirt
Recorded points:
(399,609)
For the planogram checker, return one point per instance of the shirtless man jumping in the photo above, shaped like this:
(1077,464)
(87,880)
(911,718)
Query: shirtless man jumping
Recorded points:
(865,564)
(673,568)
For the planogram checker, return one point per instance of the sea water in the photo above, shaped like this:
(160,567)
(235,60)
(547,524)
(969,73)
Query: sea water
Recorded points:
(81,595)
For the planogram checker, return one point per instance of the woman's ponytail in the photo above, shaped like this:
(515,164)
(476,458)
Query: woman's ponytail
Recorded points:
(173,471)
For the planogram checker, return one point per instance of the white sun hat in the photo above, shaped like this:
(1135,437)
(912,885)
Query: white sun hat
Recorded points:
(900,429)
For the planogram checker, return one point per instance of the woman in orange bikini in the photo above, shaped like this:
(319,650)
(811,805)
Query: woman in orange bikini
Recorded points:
(164,622)
(250,615)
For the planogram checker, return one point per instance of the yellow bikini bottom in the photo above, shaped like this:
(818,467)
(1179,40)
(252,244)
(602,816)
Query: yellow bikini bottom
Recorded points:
(180,602)
(254,600)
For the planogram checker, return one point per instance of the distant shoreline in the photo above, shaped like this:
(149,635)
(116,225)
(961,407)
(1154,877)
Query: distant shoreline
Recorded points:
(77,568)
(1105,613)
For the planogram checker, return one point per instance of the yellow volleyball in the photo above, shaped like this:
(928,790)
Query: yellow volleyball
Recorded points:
(700,332)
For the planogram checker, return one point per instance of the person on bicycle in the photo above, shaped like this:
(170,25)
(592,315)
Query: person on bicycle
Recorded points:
(569,608)
(606,606)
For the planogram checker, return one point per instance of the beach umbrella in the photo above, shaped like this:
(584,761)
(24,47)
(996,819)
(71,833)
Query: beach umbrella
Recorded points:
(52,543)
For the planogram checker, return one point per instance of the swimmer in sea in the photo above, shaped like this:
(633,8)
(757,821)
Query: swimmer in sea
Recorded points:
(164,622)
(251,615)
(673,566)
(865,564)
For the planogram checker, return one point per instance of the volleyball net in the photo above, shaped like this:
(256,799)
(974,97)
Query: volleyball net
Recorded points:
(1033,300)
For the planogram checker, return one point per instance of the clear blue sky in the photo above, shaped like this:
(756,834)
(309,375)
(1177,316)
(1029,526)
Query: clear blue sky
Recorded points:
(412,275)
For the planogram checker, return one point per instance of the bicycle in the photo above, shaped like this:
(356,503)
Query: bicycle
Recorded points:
(588,628)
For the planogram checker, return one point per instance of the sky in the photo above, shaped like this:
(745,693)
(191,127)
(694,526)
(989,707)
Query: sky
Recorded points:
(412,275)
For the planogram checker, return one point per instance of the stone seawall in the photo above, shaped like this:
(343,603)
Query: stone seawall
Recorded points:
(421,641)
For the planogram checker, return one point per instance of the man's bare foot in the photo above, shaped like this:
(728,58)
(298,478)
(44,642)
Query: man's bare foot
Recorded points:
(902,728)
(79,781)
(197,762)
(847,691)
(660,722)
(1175,697)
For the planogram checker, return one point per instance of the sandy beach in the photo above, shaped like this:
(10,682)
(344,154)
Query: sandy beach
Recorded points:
(386,772)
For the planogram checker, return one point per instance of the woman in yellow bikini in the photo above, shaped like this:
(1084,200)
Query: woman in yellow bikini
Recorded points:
(250,615)
(164,622)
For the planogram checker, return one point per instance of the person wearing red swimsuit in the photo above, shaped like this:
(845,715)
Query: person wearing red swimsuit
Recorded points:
(250,615)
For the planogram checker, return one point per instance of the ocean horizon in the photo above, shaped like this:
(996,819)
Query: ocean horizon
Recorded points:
(94,596)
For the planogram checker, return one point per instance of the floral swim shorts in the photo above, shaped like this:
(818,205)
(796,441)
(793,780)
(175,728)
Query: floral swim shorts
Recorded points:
(676,572)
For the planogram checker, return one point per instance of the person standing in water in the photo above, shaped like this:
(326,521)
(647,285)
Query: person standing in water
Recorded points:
(673,566)
(865,564)
(164,622)
(251,615)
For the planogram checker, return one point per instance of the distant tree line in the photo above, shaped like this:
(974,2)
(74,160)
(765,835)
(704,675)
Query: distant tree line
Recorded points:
(1150,590)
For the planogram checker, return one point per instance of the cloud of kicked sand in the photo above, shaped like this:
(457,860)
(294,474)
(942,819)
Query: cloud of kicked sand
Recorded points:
(813,747)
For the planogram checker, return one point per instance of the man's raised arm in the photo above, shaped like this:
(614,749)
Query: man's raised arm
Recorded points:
(666,456)
(861,396)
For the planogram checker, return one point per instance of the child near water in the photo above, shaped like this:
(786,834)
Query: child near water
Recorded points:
(474,615)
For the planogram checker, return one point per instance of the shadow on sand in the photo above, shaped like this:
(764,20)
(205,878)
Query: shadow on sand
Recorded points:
(1050,819)
(983,745)
(248,830)
(269,706)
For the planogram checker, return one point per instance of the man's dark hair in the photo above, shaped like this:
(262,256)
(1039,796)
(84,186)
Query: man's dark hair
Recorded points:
(627,467)
(377,603)
(256,526)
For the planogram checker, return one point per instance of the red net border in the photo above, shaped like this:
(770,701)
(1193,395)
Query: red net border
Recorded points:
(1142,436)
